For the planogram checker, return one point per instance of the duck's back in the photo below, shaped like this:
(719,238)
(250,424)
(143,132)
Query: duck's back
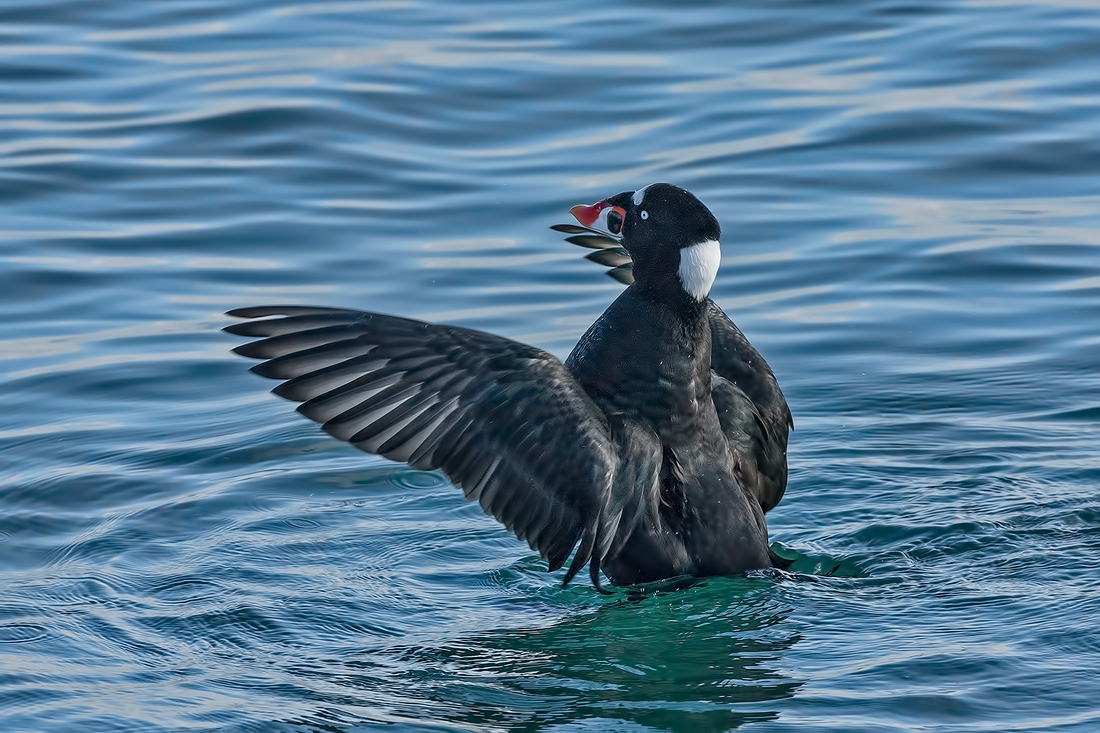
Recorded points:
(641,359)
(650,366)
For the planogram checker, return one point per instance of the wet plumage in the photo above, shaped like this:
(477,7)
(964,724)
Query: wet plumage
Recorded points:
(654,450)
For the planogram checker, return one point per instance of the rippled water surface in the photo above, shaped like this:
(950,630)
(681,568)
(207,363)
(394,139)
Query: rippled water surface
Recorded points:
(911,213)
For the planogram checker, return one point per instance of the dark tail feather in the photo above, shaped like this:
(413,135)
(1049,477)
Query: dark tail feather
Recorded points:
(779,562)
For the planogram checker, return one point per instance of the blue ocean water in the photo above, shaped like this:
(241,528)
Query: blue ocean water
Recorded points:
(910,200)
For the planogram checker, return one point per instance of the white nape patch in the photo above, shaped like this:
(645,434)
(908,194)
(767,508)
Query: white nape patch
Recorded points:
(639,195)
(699,267)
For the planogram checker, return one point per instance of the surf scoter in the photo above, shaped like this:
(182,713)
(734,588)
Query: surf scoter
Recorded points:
(658,445)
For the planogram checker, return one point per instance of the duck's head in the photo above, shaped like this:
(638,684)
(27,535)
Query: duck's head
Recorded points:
(670,235)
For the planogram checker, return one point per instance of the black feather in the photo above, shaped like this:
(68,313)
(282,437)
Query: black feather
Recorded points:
(481,408)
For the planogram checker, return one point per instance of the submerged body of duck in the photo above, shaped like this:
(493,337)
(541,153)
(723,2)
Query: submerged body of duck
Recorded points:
(658,445)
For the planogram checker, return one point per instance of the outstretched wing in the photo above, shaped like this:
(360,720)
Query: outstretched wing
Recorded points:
(609,252)
(504,421)
(751,408)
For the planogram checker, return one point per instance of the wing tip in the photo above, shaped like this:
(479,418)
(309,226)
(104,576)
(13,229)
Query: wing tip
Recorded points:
(263,369)
(568,228)
(624,274)
(250,350)
(259,311)
(594,574)
(256,311)
(238,329)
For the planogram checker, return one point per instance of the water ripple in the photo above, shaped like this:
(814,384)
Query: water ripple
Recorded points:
(909,212)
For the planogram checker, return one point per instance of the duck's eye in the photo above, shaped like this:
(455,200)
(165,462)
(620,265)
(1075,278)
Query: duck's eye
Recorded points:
(645,214)
(614,221)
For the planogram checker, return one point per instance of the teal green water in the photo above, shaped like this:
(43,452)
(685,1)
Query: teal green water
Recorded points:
(910,201)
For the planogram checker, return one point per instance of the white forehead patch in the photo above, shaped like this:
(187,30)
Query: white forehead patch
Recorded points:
(639,195)
(699,267)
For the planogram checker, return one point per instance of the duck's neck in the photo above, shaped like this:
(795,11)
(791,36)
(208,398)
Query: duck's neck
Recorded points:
(680,278)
